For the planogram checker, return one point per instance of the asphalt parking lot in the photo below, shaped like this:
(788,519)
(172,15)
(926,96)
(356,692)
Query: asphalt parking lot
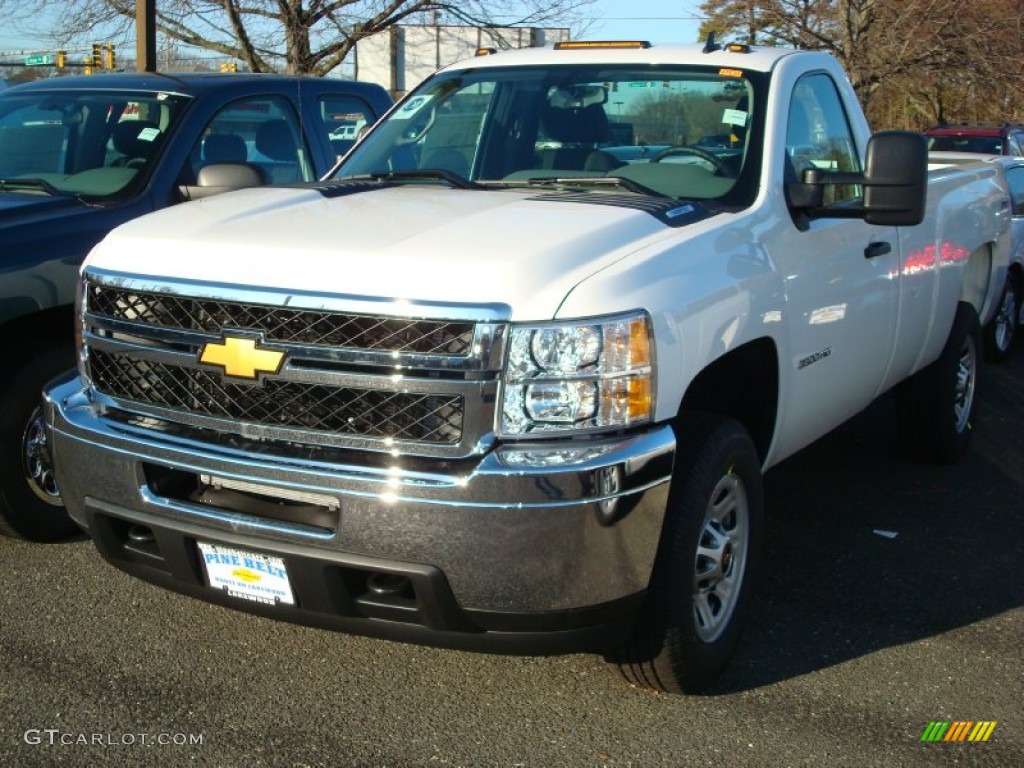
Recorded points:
(894,597)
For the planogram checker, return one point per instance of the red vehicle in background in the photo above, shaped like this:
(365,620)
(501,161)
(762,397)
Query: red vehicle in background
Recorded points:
(1003,139)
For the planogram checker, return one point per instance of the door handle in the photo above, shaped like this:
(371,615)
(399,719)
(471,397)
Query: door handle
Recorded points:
(877,249)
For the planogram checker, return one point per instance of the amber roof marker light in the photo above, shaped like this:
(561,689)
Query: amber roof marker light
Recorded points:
(711,46)
(576,45)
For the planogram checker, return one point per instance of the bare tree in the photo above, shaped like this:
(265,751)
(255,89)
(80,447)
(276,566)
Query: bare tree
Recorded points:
(297,36)
(910,61)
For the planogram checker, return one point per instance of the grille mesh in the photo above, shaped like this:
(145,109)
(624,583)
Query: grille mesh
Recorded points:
(282,404)
(284,325)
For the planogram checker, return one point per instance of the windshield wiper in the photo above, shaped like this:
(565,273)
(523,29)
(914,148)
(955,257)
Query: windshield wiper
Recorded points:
(580,181)
(7,185)
(430,174)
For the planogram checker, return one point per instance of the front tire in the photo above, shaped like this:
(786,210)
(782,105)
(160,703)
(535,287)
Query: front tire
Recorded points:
(1001,330)
(30,503)
(707,562)
(938,405)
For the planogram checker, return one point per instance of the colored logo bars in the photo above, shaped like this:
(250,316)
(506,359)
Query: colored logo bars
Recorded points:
(958,730)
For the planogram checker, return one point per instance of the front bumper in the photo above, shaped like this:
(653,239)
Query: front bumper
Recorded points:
(529,547)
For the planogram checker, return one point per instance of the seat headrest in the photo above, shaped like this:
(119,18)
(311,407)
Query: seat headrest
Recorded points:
(136,138)
(580,125)
(274,139)
(224,148)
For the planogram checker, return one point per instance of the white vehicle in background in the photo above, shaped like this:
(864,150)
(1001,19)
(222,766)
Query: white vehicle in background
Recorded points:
(1002,330)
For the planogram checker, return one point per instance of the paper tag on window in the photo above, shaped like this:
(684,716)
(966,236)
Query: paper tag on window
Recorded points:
(734,117)
(148,134)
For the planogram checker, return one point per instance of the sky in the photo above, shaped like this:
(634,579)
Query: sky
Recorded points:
(658,21)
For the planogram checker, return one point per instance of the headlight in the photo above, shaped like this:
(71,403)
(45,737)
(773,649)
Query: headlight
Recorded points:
(579,375)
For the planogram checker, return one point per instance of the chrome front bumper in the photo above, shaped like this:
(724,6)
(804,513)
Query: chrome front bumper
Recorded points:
(526,529)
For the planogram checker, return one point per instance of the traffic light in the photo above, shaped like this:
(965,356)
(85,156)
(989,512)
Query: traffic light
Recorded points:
(62,59)
(110,56)
(96,60)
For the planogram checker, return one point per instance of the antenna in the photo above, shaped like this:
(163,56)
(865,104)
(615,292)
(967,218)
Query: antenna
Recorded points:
(711,46)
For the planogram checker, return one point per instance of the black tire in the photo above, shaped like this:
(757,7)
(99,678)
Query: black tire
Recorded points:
(1001,330)
(938,405)
(30,504)
(699,594)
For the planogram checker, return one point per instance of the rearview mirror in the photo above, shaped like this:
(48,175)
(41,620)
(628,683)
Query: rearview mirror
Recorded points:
(576,96)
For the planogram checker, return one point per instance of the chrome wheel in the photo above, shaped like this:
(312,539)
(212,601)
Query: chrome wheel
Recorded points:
(721,557)
(36,462)
(708,560)
(966,378)
(1006,320)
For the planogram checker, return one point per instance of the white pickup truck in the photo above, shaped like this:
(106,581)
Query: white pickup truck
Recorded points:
(509,377)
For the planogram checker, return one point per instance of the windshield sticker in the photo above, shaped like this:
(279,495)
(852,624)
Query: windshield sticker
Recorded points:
(730,73)
(735,117)
(411,107)
(148,134)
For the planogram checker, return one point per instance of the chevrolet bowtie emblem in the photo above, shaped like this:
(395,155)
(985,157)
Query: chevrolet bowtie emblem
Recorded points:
(240,357)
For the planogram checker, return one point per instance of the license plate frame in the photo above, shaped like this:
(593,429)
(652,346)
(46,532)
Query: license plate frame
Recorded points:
(245,574)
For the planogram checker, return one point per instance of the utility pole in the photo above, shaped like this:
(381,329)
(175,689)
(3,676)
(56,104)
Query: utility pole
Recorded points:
(145,35)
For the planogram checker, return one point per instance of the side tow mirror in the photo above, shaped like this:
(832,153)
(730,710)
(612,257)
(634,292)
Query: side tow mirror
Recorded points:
(895,183)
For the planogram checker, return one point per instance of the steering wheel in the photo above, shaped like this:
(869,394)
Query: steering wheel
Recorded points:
(716,162)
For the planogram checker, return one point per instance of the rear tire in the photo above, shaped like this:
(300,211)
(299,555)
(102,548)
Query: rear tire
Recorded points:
(938,405)
(707,562)
(30,503)
(1001,330)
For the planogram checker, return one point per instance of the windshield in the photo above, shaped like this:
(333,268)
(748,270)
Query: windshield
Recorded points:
(92,144)
(677,131)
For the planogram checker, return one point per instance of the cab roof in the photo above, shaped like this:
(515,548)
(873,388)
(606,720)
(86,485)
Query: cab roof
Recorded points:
(752,58)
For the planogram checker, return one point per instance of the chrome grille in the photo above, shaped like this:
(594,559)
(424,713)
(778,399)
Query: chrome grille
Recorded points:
(366,373)
(429,418)
(281,324)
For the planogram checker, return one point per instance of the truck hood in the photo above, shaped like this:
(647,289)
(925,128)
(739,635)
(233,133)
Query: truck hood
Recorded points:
(522,249)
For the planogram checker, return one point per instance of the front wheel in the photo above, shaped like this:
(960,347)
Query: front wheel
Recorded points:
(707,561)
(30,503)
(1002,329)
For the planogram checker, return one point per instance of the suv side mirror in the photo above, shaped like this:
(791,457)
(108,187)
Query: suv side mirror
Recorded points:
(895,183)
(217,178)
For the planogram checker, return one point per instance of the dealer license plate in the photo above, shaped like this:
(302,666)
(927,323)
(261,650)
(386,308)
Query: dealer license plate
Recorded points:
(248,575)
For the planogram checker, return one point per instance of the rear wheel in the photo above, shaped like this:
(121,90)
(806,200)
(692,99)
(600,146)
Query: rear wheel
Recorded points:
(1002,329)
(707,561)
(938,405)
(30,503)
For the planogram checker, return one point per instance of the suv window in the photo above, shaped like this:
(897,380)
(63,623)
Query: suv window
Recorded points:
(1015,142)
(345,117)
(1015,179)
(261,131)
